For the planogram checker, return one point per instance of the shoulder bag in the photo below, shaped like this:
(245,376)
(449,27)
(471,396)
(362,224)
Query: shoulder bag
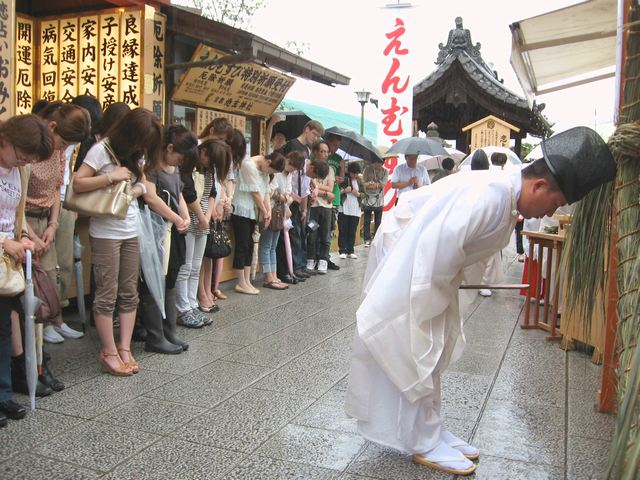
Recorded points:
(110,201)
(218,243)
(277,216)
(12,280)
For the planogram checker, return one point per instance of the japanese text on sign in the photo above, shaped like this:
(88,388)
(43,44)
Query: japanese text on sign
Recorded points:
(246,88)
(395,120)
(49,60)
(109,59)
(6,85)
(24,80)
(130,54)
(88,56)
(68,71)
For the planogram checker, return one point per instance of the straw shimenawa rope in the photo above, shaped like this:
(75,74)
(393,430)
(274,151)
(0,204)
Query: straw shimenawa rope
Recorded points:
(624,458)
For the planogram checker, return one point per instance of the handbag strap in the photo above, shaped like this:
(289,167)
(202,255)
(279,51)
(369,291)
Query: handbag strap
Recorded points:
(24,185)
(107,147)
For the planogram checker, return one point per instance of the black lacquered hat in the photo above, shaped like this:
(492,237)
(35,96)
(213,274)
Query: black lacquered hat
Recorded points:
(580,160)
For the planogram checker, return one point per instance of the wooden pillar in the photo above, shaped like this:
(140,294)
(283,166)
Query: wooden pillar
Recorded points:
(518,147)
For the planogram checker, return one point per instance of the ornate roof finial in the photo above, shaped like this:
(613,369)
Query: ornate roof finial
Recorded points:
(459,39)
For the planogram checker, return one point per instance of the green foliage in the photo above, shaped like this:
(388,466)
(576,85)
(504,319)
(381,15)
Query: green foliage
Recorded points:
(235,13)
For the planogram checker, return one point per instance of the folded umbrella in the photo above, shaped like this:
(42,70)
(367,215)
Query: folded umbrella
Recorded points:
(287,245)
(30,305)
(355,144)
(416,146)
(77,256)
(150,261)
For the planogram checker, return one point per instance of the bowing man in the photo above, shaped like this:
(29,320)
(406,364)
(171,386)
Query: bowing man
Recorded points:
(417,258)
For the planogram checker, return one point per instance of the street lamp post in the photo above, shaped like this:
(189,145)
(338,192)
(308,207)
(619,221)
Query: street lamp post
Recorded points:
(363,98)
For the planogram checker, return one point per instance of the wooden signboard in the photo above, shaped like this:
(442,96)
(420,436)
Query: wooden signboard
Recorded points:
(204,116)
(24,77)
(490,132)
(244,88)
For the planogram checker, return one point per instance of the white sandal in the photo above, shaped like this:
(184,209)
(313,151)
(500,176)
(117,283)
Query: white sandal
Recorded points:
(469,451)
(446,459)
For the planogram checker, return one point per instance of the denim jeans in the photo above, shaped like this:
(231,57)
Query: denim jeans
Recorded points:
(5,348)
(297,235)
(189,273)
(318,241)
(347,229)
(268,244)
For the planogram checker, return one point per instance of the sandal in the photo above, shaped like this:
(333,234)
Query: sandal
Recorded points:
(132,364)
(446,459)
(219,295)
(469,451)
(121,370)
(275,285)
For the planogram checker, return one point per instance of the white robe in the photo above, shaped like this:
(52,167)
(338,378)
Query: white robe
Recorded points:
(408,325)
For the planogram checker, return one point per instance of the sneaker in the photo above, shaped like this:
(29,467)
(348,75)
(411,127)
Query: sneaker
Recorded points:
(51,336)
(310,268)
(367,244)
(332,266)
(67,332)
(353,256)
(301,274)
(204,318)
(485,292)
(187,319)
(343,256)
(322,267)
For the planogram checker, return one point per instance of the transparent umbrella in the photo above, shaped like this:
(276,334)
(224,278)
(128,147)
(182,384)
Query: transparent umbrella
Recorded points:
(30,304)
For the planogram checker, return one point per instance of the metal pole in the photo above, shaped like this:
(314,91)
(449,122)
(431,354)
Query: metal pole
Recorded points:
(362,118)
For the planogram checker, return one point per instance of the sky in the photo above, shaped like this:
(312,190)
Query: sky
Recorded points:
(345,36)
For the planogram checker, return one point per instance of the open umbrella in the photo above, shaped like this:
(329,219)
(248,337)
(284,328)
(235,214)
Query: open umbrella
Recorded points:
(292,125)
(77,265)
(416,146)
(355,144)
(30,304)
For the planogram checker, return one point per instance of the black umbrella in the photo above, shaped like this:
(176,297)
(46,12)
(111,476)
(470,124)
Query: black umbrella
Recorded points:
(416,146)
(355,144)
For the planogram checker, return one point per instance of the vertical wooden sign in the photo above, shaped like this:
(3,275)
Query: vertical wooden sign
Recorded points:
(24,71)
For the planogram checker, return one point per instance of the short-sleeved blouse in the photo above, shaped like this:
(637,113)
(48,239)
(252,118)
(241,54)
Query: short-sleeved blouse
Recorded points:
(250,179)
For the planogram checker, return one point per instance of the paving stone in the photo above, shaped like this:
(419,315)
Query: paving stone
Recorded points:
(585,420)
(173,458)
(495,468)
(200,353)
(150,415)
(380,462)
(522,432)
(478,360)
(210,384)
(328,413)
(587,458)
(244,421)
(96,446)
(526,383)
(313,446)
(36,428)
(269,468)
(463,394)
(98,395)
(27,467)
(583,373)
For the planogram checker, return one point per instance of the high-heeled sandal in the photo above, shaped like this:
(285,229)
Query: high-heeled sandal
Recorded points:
(219,295)
(122,370)
(132,364)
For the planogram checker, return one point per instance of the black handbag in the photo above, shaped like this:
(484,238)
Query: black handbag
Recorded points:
(218,243)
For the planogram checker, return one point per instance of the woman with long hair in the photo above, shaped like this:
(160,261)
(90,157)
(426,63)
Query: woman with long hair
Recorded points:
(251,203)
(69,124)
(24,139)
(131,145)
(199,192)
(179,147)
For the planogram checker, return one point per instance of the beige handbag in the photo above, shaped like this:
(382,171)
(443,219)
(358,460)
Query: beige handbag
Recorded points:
(12,280)
(110,201)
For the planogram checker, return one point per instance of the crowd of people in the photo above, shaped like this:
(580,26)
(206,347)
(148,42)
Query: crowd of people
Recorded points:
(289,200)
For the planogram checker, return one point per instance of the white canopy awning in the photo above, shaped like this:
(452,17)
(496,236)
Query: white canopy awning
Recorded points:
(566,47)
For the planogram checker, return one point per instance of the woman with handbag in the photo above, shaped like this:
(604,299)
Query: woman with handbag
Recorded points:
(209,286)
(251,202)
(23,139)
(131,144)
(280,189)
(69,124)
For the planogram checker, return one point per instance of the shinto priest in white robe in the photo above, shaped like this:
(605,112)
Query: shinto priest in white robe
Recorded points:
(408,325)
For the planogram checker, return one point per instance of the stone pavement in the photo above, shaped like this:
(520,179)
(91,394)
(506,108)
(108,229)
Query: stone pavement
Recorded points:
(259,395)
